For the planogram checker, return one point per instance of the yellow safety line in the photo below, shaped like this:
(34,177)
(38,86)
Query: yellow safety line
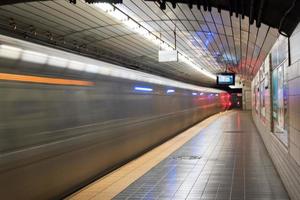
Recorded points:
(43,80)
(115,182)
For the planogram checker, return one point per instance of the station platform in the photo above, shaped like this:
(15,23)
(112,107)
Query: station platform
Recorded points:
(221,158)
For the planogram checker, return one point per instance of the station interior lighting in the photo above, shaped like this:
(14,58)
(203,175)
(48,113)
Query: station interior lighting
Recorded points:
(125,19)
(144,89)
(170,91)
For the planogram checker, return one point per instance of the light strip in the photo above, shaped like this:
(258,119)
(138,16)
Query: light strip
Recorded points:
(190,62)
(43,80)
(170,91)
(115,12)
(144,89)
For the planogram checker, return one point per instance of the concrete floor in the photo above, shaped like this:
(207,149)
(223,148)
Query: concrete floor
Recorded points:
(226,160)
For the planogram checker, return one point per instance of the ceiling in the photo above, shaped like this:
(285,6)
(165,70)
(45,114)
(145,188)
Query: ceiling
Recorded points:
(213,41)
(281,14)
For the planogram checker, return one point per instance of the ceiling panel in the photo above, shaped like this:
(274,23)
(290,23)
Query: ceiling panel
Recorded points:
(214,41)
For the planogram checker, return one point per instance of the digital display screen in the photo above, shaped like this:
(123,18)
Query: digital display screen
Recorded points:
(226,79)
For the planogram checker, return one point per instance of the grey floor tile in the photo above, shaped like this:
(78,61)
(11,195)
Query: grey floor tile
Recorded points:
(225,161)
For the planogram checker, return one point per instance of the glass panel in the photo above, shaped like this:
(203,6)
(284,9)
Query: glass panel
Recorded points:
(262,99)
(279,104)
(257,99)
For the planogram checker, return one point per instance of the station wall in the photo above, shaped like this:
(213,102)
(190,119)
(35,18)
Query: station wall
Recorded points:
(247,96)
(276,109)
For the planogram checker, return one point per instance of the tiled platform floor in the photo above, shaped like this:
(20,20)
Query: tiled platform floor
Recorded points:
(227,160)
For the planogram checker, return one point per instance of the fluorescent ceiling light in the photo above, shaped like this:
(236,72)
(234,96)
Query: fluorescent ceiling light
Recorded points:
(208,74)
(106,7)
(135,27)
(131,24)
(143,32)
(144,89)
(191,63)
(119,15)
(235,86)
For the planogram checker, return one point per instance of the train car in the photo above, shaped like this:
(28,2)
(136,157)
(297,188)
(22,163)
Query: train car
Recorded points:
(67,119)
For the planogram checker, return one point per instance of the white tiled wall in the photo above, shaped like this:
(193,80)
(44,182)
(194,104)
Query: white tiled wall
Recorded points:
(247,98)
(294,96)
(294,110)
(295,45)
(286,160)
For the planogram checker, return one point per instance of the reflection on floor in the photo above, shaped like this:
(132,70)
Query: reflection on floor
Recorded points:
(227,160)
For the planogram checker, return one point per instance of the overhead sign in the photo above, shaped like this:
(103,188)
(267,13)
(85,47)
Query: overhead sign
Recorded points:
(226,79)
(167,56)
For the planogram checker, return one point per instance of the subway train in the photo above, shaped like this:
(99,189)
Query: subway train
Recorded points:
(67,119)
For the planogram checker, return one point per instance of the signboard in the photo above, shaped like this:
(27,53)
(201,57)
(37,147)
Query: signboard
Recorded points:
(226,79)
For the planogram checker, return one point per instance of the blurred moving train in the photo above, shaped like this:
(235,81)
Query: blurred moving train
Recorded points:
(67,119)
